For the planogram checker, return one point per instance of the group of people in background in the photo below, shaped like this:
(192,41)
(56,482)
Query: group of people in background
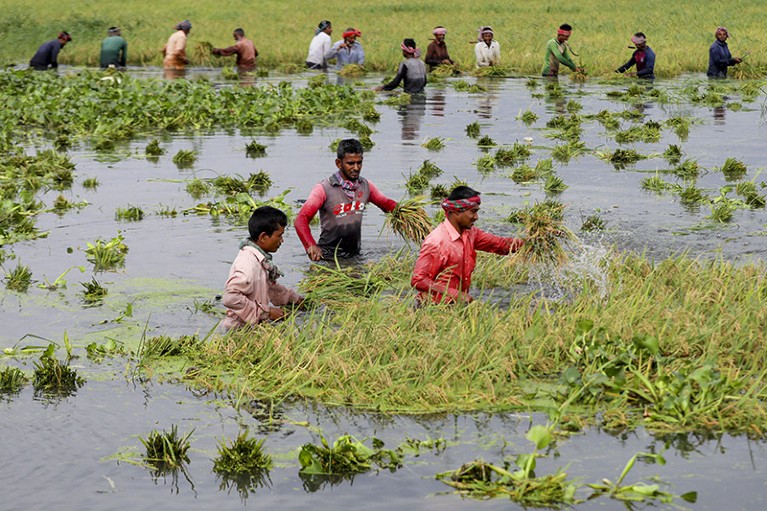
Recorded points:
(348,50)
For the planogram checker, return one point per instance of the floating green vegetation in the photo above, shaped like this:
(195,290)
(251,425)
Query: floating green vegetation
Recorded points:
(91,183)
(492,71)
(367,142)
(166,450)
(554,185)
(723,207)
(434,144)
(524,174)
(528,117)
(416,183)
(482,480)
(129,214)
(324,284)
(689,170)
(621,158)
(254,150)
(673,154)
(352,71)
(565,152)
(153,148)
(747,190)
(410,220)
(233,185)
(370,114)
(51,376)
(167,211)
(304,126)
(197,188)
(358,128)
(429,169)
(185,158)
(593,223)
(61,204)
(733,169)
(649,132)
(109,348)
(655,184)
(18,279)
(486,141)
(692,197)
(165,346)
(244,455)
(554,90)
(397,99)
(509,156)
(93,292)
(12,380)
(473,130)
(574,106)
(680,125)
(107,255)
(239,207)
(607,119)
(464,86)
(545,234)
(346,457)
(439,192)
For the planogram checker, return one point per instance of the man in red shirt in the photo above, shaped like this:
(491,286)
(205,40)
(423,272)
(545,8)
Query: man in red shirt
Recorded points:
(448,255)
(341,200)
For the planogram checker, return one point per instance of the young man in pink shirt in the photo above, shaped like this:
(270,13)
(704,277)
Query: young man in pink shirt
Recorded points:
(252,294)
(448,255)
(341,200)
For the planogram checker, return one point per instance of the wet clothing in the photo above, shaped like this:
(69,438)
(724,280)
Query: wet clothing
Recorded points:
(719,59)
(354,54)
(47,56)
(246,54)
(114,51)
(340,215)
(175,51)
(487,55)
(644,60)
(556,54)
(436,53)
(412,74)
(319,49)
(447,260)
(252,289)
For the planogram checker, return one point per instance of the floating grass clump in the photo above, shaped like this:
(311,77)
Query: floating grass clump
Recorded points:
(54,377)
(524,174)
(680,125)
(129,214)
(93,292)
(165,346)
(508,156)
(197,188)
(528,117)
(107,255)
(747,190)
(434,144)
(545,234)
(19,278)
(184,158)
(473,130)
(621,158)
(153,149)
(233,185)
(692,197)
(255,150)
(12,380)
(565,152)
(688,170)
(486,141)
(464,86)
(429,169)
(356,127)
(655,184)
(347,456)
(733,169)
(554,185)
(398,99)
(673,154)
(593,223)
(410,220)
(485,164)
(244,456)
(439,192)
(166,450)
(416,183)
(91,183)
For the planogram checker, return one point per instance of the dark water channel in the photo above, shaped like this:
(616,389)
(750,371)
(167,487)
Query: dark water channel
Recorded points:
(54,452)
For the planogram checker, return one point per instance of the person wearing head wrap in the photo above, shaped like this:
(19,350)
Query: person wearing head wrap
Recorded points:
(448,255)
(175,49)
(436,53)
(643,57)
(321,46)
(114,49)
(47,55)
(719,56)
(487,50)
(244,49)
(558,52)
(411,71)
(348,50)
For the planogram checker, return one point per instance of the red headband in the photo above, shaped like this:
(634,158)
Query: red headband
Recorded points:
(351,33)
(460,205)
(563,32)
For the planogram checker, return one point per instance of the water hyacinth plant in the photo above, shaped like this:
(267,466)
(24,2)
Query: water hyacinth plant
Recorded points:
(347,456)
(93,292)
(107,255)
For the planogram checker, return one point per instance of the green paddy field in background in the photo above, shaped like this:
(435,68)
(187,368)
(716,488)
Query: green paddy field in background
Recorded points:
(680,32)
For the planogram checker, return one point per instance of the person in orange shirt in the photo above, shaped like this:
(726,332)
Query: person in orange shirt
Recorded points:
(448,255)
(174,50)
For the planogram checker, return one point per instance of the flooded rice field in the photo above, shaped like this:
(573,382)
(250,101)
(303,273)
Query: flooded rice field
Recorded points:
(81,451)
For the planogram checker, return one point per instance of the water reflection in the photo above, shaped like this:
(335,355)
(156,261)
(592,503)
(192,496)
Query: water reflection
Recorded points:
(245,484)
(437,102)
(173,74)
(411,116)
(719,115)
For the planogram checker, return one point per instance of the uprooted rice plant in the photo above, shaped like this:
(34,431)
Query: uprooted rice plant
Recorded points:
(410,220)
(546,236)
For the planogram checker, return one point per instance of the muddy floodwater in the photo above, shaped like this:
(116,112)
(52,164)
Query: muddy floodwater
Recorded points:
(75,452)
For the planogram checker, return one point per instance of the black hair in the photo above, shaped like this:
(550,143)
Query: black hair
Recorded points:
(640,34)
(565,26)
(349,146)
(462,192)
(239,31)
(410,43)
(266,219)
(324,24)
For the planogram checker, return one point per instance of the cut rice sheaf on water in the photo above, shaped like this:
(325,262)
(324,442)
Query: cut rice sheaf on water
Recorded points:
(546,237)
(410,220)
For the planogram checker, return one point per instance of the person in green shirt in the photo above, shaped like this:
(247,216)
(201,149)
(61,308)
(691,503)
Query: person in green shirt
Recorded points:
(114,49)
(558,52)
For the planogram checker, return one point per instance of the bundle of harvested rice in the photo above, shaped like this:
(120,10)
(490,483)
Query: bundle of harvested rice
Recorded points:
(410,220)
(545,234)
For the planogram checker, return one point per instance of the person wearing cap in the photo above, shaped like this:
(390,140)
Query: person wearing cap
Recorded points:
(643,57)
(411,71)
(558,52)
(448,255)
(114,49)
(244,49)
(436,52)
(719,56)
(348,50)
(487,50)
(175,49)
(320,47)
(47,55)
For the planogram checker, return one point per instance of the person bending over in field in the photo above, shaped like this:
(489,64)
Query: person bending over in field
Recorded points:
(47,55)
(448,255)
(114,49)
(436,53)
(252,294)
(487,50)
(411,72)
(341,200)
(719,56)
(244,49)
(348,50)
(643,57)
(558,52)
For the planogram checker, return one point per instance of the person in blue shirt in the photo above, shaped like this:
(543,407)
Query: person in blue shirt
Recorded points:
(643,57)
(348,50)
(47,55)
(719,56)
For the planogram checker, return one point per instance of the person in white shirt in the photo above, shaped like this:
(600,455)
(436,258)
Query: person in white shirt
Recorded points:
(321,47)
(487,50)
